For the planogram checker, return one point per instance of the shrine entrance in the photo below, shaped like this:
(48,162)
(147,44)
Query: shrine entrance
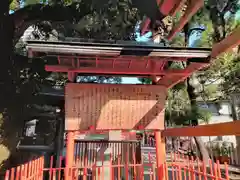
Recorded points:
(88,153)
(120,110)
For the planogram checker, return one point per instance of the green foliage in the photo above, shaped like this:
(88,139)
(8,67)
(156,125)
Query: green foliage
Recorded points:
(145,80)
(177,107)
(14,5)
(231,77)
(206,38)
(99,79)
(178,41)
(67,2)
(204,115)
(31,2)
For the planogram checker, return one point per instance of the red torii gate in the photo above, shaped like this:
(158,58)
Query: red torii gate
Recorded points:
(123,60)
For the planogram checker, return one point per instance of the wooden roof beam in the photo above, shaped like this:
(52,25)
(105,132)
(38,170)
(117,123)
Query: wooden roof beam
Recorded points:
(114,71)
(170,81)
(220,129)
(231,41)
(192,8)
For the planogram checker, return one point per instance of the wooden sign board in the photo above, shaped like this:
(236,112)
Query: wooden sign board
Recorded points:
(114,106)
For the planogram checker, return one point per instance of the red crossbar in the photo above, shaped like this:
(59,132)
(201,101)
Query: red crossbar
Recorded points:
(115,71)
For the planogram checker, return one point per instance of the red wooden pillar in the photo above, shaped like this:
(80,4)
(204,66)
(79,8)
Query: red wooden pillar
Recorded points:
(69,155)
(72,76)
(160,154)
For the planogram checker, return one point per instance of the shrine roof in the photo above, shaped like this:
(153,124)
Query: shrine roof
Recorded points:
(115,48)
(120,58)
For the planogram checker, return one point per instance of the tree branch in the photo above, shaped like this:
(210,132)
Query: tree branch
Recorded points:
(29,15)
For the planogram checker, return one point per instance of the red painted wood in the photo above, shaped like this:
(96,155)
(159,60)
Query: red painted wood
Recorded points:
(119,71)
(192,8)
(69,155)
(231,41)
(165,8)
(180,167)
(7,175)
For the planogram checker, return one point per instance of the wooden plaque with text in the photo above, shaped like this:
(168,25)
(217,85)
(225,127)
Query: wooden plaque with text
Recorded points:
(114,106)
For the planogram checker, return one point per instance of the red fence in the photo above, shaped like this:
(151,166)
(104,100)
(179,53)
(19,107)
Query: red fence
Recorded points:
(30,170)
(176,167)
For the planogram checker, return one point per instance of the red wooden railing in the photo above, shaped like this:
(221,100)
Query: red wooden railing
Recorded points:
(176,167)
(27,171)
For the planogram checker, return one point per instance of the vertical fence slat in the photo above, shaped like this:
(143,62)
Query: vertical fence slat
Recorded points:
(142,172)
(54,174)
(42,167)
(25,171)
(39,168)
(119,168)
(32,170)
(85,173)
(173,173)
(18,173)
(150,168)
(154,171)
(215,171)
(185,168)
(189,168)
(12,173)
(7,174)
(36,169)
(219,170)
(51,167)
(226,171)
(111,167)
(134,163)
(199,169)
(127,167)
(166,170)
(99,173)
(102,168)
(193,171)
(179,172)
(60,167)
(29,169)
(211,168)
(204,171)
(22,172)
(184,173)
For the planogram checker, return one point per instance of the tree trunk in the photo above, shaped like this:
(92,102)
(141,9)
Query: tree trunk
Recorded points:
(7,87)
(200,144)
(202,149)
(235,114)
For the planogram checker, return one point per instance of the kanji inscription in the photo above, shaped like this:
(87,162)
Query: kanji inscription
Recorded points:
(112,106)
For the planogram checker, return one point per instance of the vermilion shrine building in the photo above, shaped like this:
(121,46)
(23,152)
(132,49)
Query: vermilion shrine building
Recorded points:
(101,108)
